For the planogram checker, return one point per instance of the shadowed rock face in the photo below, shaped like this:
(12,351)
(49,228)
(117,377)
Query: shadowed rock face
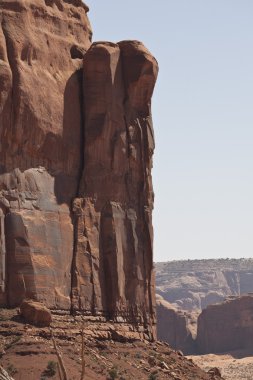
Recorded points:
(76,145)
(226,326)
(172,327)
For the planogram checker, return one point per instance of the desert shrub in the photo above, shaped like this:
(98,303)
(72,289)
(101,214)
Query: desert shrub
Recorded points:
(153,376)
(50,371)
(15,340)
(113,373)
(138,355)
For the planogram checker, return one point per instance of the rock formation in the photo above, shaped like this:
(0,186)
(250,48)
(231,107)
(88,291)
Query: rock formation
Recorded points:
(172,327)
(35,313)
(194,284)
(226,326)
(76,145)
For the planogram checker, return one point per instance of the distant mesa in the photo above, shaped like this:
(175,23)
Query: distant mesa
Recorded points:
(194,284)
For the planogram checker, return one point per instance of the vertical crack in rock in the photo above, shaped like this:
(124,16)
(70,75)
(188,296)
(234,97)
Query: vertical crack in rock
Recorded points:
(13,131)
(6,86)
(75,207)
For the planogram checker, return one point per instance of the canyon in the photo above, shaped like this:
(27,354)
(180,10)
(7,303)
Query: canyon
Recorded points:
(210,308)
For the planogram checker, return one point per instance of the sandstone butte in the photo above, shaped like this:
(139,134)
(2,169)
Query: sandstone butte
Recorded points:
(76,146)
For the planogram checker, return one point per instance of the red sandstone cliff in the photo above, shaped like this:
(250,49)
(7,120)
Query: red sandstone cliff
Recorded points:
(76,145)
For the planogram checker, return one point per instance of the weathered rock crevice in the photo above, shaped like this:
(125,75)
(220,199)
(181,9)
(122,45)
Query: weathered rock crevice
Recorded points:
(7,84)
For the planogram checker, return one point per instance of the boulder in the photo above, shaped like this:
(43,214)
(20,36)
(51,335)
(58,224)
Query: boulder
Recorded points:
(35,313)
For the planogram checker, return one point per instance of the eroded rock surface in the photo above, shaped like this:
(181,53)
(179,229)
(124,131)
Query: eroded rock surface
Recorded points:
(76,145)
(40,155)
(113,211)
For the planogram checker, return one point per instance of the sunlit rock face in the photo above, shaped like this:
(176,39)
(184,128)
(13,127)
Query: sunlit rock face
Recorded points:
(76,145)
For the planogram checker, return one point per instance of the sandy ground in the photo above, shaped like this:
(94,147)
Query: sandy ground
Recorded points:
(236,365)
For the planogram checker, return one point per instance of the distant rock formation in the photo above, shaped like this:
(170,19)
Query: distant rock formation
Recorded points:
(76,151)
(172,327)
(219,287)
(221,327)
(226,326)
(195,284)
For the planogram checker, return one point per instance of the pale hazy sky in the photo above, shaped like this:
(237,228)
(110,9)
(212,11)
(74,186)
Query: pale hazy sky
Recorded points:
(203,119)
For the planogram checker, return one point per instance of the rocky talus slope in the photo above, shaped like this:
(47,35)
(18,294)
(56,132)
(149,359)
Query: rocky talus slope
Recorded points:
(27,351)
(76,145)
(195,284)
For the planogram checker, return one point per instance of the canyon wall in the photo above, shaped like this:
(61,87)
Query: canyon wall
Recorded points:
(173,327)
(76,145)
(226,326)
(211,299)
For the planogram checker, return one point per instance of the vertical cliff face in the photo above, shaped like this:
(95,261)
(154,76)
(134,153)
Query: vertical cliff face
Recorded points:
(40,154)
(173,327)
(76,145)
(226,326)
(113,211)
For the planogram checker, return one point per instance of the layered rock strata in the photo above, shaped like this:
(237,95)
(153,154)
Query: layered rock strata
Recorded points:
(76,145)
(194,284)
